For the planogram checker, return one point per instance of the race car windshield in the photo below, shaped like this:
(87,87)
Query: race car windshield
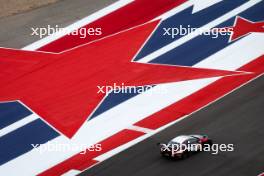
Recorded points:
(173,142)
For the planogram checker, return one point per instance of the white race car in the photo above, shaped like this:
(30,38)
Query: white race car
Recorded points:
(184,145)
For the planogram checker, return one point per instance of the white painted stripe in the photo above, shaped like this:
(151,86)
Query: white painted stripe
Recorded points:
(140,129)
(235,54)
(194,34)
(121,148)
(198,5)
(71,173)
(140,107)
(18,124)
(78,24)
(135,141)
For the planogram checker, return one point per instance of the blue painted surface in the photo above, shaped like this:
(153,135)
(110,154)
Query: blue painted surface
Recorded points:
(19,141)
(11,112)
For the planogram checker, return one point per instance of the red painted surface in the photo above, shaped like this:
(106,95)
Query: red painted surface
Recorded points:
(63,90)
(15,63)
(244,27)
(133,14)
(202,97)
(83,161)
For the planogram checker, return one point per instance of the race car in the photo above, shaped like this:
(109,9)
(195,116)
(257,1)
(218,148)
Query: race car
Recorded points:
(182,146)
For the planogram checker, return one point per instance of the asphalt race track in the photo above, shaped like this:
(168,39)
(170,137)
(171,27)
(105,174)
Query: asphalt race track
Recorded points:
(236,118)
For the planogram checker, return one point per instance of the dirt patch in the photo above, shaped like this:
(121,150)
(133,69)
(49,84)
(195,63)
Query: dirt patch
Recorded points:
(10,7)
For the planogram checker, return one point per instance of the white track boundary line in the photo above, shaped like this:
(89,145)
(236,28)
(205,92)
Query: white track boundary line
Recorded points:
(103,12)
(18,124)
(140,129)
(71,173)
